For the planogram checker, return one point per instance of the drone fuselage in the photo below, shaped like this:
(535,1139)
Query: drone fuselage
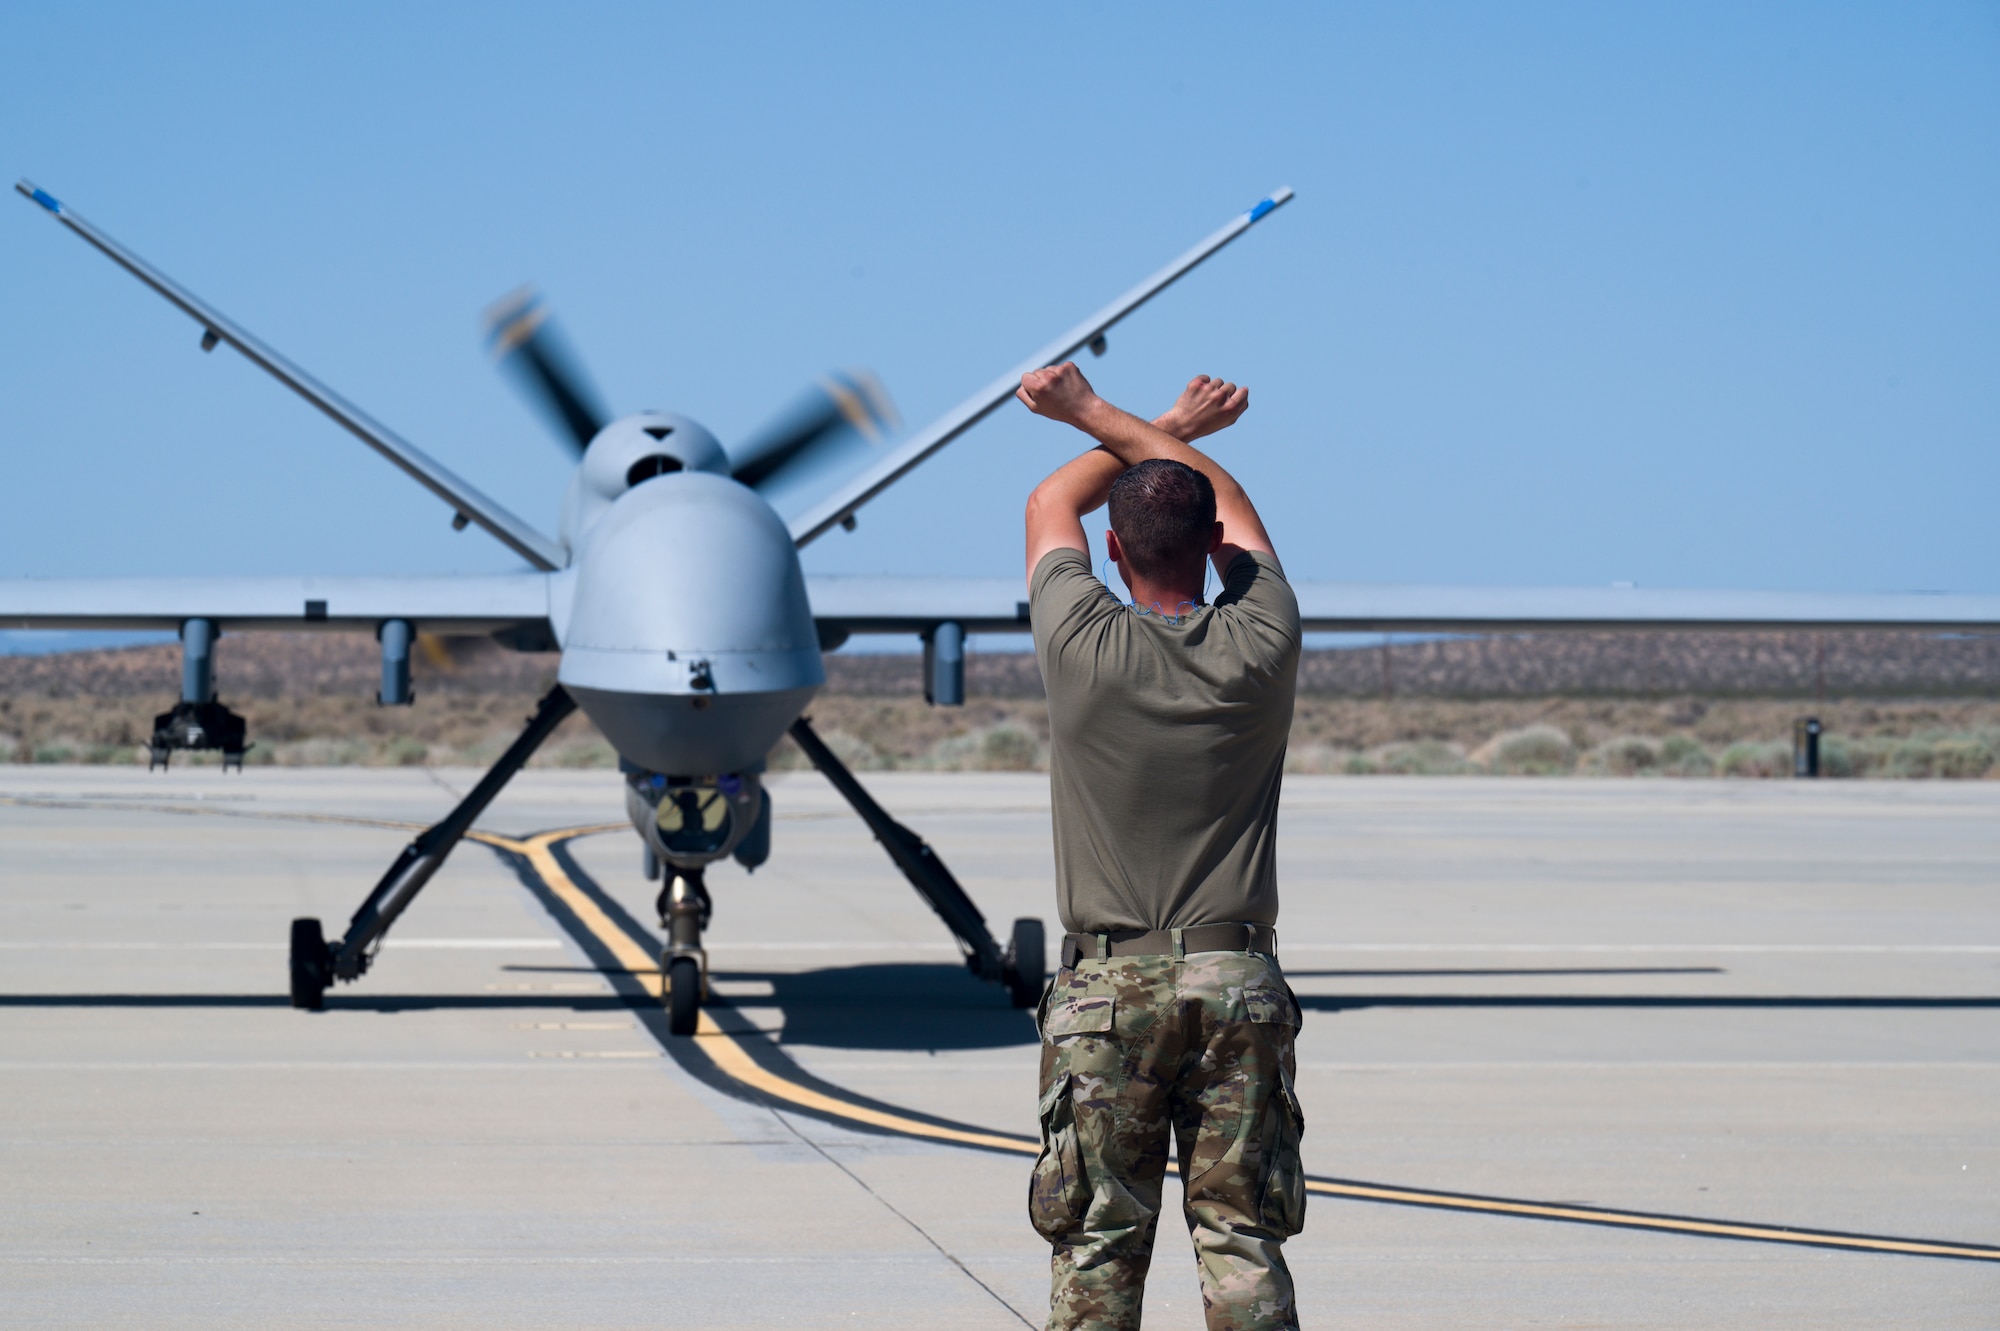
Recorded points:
(689,640)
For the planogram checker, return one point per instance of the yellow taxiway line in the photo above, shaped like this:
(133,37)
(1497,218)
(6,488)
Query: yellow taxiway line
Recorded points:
(721,1048)
(727,1052)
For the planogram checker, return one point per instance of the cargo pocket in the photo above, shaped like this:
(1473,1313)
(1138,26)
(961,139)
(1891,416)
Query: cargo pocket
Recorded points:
(1283,1207)
(1058,1192)
(1275,1007)
(1087,1013)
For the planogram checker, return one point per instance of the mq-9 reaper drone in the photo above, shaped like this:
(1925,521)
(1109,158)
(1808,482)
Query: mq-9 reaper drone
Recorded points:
(691,679)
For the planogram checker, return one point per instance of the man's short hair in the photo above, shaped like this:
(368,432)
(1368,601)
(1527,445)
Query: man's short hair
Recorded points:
(1164,514)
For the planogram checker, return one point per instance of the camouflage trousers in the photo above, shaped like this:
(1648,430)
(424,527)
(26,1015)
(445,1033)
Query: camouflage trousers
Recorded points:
(1138,1052)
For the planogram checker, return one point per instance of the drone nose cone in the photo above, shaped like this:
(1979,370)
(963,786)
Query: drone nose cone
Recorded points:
(691,642)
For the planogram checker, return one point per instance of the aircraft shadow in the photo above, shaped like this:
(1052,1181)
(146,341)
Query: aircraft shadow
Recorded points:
(335,1002)
(942,1007)
(1295,974)
(1747,1002)
(890,1005)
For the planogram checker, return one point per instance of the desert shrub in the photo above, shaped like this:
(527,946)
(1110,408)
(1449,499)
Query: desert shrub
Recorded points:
(1935,755)
(582,752)
(1424,757)
(856,752)
(1317,759)
(955,753)
(1870,757)
(1003,748)
(1968,756)
(482,752)
(1911,757)
(56,751)
(1537,750)
(785,757)
(403,751)
(1683,755)
(1627,755)
(1767,759)
(1009,748)
(321,752)
(1928,754)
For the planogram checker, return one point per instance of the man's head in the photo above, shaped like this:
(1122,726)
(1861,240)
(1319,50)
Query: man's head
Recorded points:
(1163,524)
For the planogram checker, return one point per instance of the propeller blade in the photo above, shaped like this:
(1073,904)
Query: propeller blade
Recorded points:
(523,338)
(842,401)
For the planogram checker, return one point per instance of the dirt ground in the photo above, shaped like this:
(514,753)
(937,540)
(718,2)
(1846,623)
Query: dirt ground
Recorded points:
(1933,709)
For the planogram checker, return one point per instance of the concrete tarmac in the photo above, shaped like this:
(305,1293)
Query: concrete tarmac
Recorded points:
(1760,1004)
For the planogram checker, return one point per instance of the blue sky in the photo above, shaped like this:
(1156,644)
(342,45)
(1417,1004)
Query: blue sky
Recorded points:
(1689,294)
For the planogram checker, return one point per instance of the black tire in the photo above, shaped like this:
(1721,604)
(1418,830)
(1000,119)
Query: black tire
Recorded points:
(1027,963)
(683,995)
(312,965)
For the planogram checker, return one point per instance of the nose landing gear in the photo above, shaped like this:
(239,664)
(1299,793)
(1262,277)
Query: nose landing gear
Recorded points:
(684,910)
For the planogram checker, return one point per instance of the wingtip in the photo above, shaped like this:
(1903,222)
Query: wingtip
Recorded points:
(1278,197)
(43,197)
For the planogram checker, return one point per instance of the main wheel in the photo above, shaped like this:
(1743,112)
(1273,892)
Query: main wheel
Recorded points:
(1027,963)
(683,995)
(312,965)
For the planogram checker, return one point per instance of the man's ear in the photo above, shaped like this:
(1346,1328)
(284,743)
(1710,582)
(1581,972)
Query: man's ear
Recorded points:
(1111,544)
(1215,539)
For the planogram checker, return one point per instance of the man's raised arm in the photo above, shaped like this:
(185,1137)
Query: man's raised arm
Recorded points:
(1056,509)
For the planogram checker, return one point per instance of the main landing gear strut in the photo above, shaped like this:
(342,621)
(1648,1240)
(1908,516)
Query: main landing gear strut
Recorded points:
(1021,966)
(684,902)
(316,964)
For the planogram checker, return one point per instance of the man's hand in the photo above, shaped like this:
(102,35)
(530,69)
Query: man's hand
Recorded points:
(1080,486)
(1205,406)
(1060,393)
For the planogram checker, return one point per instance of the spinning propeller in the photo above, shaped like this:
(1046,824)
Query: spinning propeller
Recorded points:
(523,337)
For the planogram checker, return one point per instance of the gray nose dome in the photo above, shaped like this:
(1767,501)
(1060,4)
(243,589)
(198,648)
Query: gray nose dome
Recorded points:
(629,452)
(636,448)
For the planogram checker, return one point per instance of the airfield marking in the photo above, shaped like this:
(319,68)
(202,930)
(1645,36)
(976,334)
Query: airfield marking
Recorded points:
(733,1060)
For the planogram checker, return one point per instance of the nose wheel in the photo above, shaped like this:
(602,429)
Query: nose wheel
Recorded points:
(684,911)
(684,993)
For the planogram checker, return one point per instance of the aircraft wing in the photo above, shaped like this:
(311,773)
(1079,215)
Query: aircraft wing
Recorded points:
(527,603)
(857,604)
(468,503)
(839,503)
(1000,605)
(1391,608)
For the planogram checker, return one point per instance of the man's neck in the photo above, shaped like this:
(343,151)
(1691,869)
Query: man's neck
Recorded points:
(1168,598)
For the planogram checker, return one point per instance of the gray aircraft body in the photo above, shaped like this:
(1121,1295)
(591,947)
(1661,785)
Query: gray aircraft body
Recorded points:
(694,673)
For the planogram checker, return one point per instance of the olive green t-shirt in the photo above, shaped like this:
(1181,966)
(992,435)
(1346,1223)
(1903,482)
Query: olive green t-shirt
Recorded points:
(1166,746)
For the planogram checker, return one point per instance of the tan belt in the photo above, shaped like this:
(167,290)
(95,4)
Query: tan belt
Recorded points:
(1170,942)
